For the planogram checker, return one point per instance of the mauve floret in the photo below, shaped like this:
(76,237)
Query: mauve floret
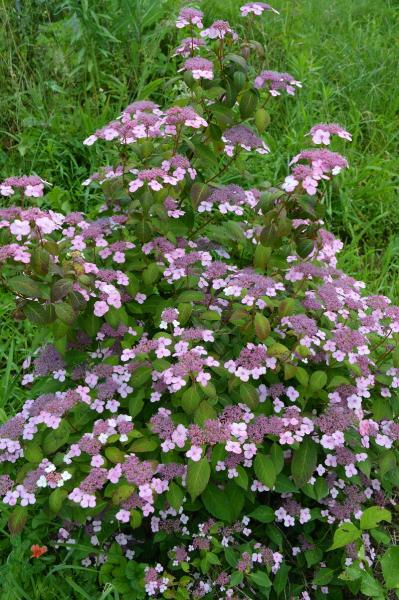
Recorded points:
(243,136)
(189,16)
(47,361)
(6,484)
(201,68)
(182,115)
(13,428)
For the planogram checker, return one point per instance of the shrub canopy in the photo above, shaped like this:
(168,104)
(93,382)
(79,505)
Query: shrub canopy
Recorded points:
(215,412)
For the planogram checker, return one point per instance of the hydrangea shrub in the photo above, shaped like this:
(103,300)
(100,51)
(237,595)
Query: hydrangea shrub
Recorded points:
(215,412)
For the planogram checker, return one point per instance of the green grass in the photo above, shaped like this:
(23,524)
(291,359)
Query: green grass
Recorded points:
(69,67)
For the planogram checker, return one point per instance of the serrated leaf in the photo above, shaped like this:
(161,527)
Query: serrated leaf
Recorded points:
(39,314)
(372,516)
(344,535)
(60,289)
(25,286)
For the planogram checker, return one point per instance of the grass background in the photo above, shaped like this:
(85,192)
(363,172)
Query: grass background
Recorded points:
(69,67)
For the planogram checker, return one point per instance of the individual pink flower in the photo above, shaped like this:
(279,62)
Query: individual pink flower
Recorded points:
(20,228)
(194,453)
(256,8)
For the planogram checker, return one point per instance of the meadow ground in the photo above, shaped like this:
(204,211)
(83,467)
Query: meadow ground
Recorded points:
(69,67)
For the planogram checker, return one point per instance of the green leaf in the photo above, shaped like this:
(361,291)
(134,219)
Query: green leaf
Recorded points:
(190,399)
(387,462)
(262,326)
(238,60)
(17,519)
(60,289)
(261,256)
(39,314)
(265,470)
(302,376)
(262,119)
(374,515)
(141,376)
(390,567)
(175,495)
(145,444)
(33,453)
(281,578)
(40,260)
(198,474)
(57,499)
(323,576)
(304,462)
(226,504)
(122,493)
(260,579)
(242,479)
(114,454)
(236,578)
(25,286)
(198,193)
(317,381)
(151,274)
(249,395)
(371,588)
(277,455)
(190,296)
(264,514)
(248,104)
(56,438)
(344,535)
(203,412)
(205,154)
(65,312)
(210,315)
(136,403)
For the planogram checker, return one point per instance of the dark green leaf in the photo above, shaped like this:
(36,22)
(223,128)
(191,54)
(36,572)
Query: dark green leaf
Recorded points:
(304,462)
